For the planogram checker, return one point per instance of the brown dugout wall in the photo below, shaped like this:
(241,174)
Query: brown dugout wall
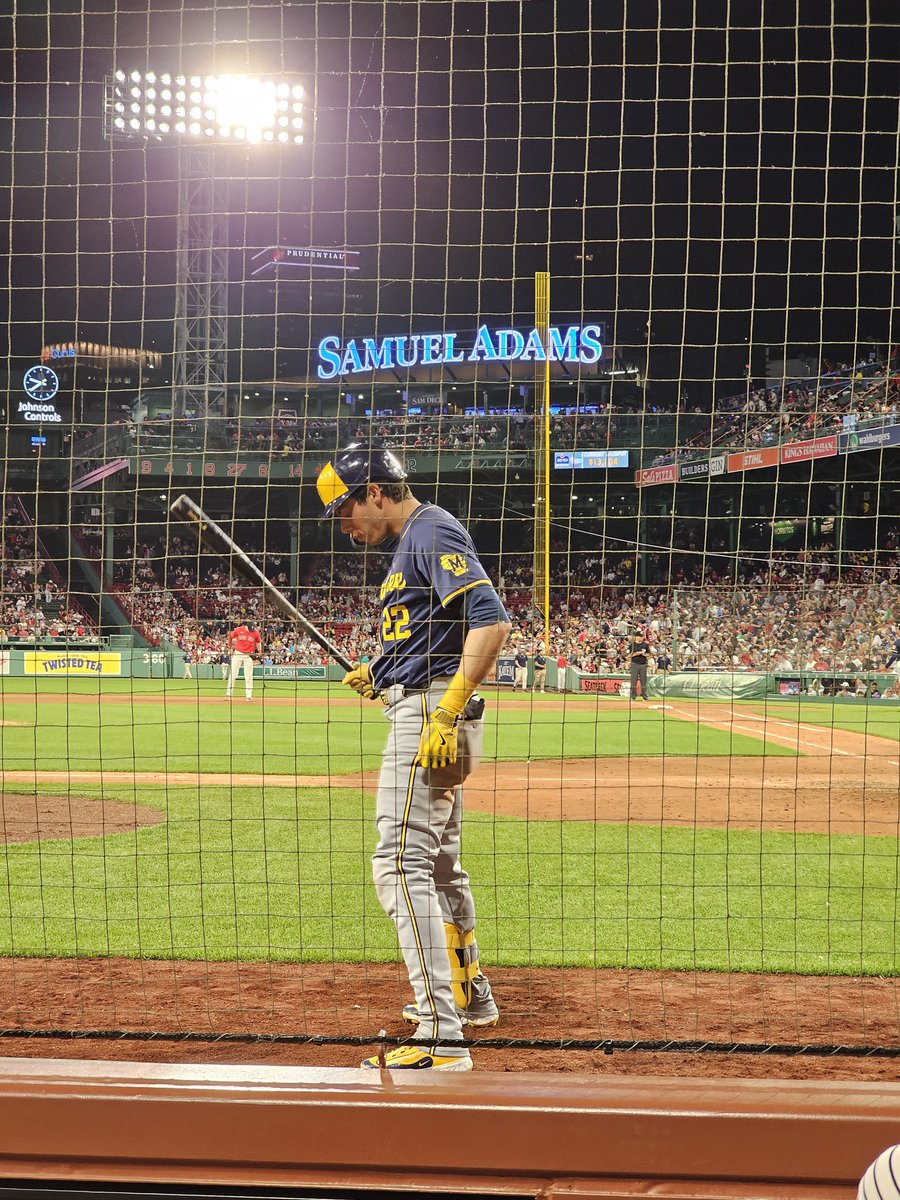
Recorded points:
(219,1127)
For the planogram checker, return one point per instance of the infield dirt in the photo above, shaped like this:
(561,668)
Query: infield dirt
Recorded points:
(264,1000)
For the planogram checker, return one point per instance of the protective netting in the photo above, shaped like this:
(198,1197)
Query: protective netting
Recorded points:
(617,288)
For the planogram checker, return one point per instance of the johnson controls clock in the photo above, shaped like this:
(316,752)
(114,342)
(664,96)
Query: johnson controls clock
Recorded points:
(41,383)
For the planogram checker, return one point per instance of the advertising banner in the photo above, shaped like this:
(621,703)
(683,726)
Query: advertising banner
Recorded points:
(573,344)
(869,439)
(823,447)
(681,684)
(73,662)
(650,476)
(694,470)
(287,671)
(733,685)
(505,671)
(4,662)
(704,468)
(752,460)
(606,686)
(275,257)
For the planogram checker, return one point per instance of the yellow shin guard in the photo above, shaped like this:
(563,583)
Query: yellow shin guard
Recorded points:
(463,951)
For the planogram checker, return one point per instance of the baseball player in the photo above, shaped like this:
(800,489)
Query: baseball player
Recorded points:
(243,643)
(442,626)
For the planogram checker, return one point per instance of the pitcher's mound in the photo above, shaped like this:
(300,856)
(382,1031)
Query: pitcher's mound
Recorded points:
(37,818)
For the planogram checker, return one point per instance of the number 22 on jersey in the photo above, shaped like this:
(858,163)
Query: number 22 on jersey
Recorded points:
(395,623)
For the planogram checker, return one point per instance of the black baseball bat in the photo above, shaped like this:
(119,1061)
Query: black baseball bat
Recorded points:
(217,540)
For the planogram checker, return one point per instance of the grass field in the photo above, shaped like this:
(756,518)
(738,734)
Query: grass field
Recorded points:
(283,873)
(879,718)
(102,727)
(255,873)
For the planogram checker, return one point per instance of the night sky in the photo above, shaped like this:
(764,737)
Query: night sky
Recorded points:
(723,182)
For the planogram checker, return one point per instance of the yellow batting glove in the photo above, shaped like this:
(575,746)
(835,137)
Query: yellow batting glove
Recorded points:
(437,743)
(360,679)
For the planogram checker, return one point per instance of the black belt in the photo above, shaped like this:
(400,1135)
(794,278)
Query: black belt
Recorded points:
(420,691)
(473,711)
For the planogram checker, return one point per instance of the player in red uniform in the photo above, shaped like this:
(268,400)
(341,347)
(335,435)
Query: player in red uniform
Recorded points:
(243,643)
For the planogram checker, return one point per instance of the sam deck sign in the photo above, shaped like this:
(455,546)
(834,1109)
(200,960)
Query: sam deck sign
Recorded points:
(575,344)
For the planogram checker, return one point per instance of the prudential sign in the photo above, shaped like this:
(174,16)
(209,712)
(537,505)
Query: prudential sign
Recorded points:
(574,344)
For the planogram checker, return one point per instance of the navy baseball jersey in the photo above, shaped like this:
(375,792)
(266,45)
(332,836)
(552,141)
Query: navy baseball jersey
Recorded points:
(433,580)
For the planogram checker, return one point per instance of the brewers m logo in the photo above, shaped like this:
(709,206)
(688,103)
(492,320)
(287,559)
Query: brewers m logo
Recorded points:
(455,563)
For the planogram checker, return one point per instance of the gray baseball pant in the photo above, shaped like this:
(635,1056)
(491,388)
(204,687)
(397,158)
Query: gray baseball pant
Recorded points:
(639,675)
(416,866)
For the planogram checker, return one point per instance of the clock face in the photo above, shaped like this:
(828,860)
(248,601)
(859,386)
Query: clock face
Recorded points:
(41,383)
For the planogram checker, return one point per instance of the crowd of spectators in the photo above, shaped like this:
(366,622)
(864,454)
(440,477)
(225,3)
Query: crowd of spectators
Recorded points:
(833,626)
(34,607)
(843,399)
(584,424)
(786,612)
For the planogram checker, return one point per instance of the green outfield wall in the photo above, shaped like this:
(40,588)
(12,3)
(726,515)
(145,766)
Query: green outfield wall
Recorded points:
(118,662)
(253,468)
(723,685)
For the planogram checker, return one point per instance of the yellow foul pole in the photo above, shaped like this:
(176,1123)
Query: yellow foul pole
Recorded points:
(541,592)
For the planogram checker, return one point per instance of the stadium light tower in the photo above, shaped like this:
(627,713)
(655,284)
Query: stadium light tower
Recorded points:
(198,114)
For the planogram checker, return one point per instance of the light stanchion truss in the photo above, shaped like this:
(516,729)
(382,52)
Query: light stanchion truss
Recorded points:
(201,297)
(202,115)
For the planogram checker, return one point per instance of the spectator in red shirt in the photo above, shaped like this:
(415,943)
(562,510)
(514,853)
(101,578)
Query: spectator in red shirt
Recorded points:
(243,643)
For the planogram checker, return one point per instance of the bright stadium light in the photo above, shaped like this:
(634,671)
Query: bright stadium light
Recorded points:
(198,115)
(226,108)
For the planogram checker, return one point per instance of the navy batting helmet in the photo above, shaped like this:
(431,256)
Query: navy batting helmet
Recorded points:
(352,469)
